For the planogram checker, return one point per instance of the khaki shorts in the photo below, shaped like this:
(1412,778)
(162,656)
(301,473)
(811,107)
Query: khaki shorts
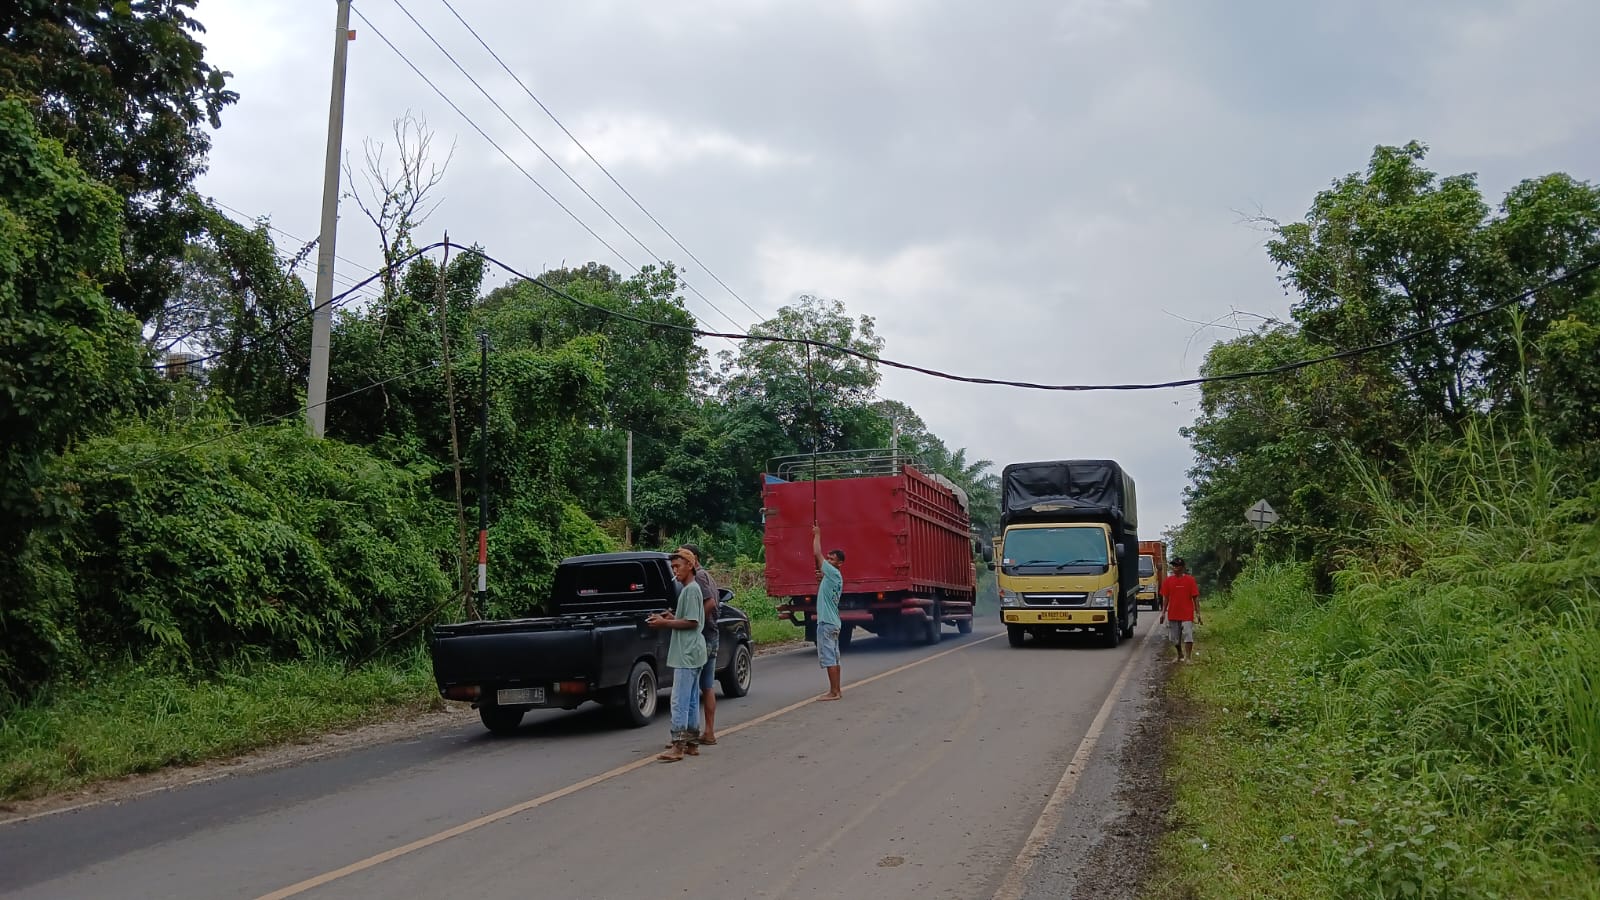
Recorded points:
(1180,632)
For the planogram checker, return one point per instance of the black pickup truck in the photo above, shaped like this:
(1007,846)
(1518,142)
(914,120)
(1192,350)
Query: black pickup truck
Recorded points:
(593,646)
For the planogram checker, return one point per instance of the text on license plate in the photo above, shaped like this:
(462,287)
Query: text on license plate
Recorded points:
(519,696)
(1054,616)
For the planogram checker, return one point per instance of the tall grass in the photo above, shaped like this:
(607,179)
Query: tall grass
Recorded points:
(1432,729)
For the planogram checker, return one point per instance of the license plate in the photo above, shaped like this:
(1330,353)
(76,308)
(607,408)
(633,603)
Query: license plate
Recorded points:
(1054,616)
(519,696)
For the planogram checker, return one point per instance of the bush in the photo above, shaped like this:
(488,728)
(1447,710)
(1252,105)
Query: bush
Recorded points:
(179,551)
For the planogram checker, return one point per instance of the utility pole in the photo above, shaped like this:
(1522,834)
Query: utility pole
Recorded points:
(483,473)
(322,316)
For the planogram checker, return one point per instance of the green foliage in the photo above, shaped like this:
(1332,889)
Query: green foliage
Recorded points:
(1395,249)
(124,86)
(1428,730)
(69,360)
(190,554)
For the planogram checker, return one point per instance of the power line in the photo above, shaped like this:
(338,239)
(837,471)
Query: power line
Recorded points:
(1569,275)
(483,134)
(262,220)
(308,313)
(601,166)
(557,163)
(273,420)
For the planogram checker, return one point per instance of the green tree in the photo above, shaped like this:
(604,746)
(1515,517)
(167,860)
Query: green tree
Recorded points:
(125,87)
(69,360)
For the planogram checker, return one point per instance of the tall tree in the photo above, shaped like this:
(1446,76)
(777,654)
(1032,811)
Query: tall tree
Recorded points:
(125,87)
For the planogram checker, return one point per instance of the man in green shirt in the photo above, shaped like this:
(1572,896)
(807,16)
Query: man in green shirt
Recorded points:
(828,592)
(686,653)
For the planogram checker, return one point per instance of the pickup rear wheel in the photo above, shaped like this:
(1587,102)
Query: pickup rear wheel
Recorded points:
(639,699)
(501,720)
(736,680)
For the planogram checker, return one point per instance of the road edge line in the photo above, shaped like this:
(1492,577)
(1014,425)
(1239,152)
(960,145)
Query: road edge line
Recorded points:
(1014,885)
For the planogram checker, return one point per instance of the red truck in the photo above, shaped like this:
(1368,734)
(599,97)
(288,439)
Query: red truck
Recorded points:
(906,536)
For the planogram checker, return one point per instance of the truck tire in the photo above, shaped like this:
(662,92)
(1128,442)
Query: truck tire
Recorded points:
(1112,634)
(501,720)
(740,672)
(932,630)
(811,632)
(639,697)
(964,626)
(845,634)
(1133,622)
(1015,634)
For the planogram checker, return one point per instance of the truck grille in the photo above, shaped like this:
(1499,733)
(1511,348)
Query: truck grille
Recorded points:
(1055,599)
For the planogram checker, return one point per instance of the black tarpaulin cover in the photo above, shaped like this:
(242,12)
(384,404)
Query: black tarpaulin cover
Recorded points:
(1090,485)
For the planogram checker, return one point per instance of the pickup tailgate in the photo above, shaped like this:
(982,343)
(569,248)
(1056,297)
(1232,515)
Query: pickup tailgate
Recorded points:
(514,652)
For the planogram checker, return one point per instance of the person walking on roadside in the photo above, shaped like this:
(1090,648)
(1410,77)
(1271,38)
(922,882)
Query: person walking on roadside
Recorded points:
(686,653)
(708,672)
(828,592)
(1181,612)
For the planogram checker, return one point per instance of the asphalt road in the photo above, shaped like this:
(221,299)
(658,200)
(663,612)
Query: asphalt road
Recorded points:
(927,780)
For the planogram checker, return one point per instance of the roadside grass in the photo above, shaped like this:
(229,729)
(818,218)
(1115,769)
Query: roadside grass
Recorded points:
(138,721)
(765,626)
(1432,729)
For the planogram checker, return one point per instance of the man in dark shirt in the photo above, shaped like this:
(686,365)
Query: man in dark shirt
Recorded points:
(708,672)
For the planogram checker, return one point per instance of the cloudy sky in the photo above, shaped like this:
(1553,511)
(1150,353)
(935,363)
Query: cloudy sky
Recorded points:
(1029,190)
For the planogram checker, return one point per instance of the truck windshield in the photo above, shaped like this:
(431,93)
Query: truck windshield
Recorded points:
(1147,566)
(1030,548)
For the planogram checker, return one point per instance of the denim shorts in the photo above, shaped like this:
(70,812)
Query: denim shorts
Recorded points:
(708,672)
(827,644)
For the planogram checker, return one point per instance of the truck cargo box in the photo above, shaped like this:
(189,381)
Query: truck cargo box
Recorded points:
(899,528)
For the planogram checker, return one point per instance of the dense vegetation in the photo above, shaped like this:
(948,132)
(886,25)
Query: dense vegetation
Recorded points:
(178,523)
(1398,693)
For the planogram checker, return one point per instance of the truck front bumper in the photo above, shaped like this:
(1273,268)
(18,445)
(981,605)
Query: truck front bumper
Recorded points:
(1055,617)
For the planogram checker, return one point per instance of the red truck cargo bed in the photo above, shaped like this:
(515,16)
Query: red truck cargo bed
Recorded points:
(900,532)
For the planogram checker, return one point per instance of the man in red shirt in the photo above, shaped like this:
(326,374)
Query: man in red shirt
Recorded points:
(1181,611)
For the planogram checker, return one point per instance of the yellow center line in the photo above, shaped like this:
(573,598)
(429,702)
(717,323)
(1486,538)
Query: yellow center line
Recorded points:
(379,859)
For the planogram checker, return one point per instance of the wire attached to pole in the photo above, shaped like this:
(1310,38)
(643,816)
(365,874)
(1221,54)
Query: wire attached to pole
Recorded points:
(816,433)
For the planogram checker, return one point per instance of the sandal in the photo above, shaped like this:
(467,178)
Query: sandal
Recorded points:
(708,742)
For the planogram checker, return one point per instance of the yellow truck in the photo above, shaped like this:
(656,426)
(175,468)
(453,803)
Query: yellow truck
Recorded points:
(1067,557)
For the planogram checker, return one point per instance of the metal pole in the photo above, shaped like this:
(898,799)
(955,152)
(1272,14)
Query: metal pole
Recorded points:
(483,472)
(322,317)
(630,474)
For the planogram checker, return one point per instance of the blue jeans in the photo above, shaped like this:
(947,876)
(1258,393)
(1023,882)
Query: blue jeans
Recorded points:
(686,704)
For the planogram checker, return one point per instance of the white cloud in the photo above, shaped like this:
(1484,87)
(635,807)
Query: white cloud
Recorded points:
(634,139)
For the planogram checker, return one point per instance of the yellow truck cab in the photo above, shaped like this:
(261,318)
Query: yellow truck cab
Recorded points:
(1067,555)
(1149,590)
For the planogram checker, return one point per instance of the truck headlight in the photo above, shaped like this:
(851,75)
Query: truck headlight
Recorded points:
(1102,598)
(1010,598)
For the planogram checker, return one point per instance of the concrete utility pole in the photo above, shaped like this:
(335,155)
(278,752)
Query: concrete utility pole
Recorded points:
(322,318)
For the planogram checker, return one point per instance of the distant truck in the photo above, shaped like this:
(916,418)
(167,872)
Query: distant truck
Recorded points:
(594,646)
(906,535)
(1068,552)
(1152,571)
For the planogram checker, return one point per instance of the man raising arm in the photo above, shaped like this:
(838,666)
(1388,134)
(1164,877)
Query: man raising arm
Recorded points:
(828,592)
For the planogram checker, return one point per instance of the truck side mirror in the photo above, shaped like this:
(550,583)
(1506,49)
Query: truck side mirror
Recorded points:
(987,552)
(990,563)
